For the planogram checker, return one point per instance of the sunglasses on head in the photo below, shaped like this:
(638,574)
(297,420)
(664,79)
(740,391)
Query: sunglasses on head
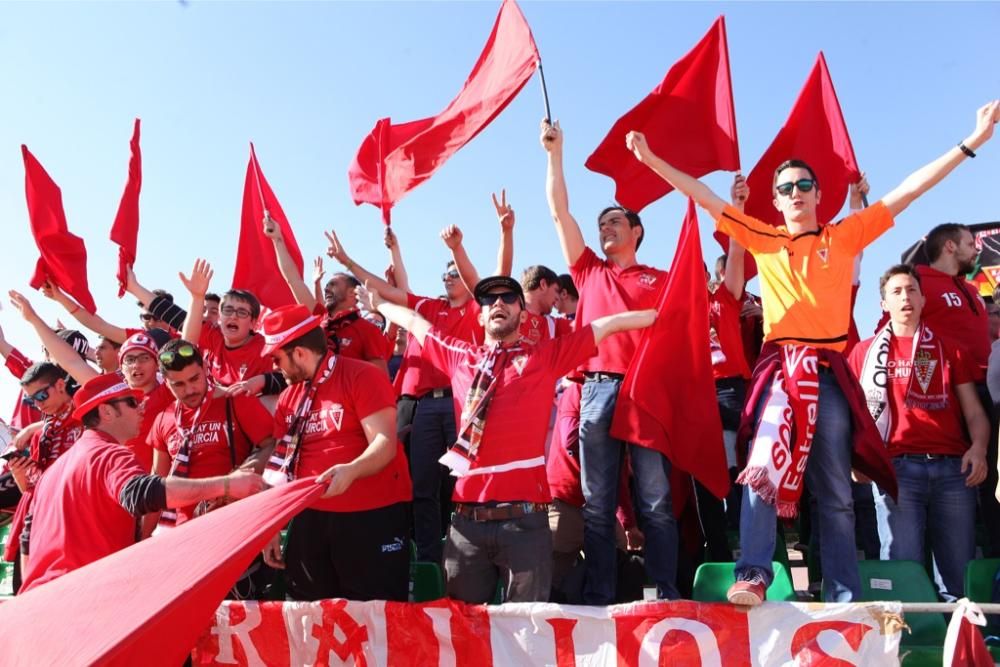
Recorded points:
(510,298)
(183,352)
(39,396)
(128,400)
(453,274)
(803,184)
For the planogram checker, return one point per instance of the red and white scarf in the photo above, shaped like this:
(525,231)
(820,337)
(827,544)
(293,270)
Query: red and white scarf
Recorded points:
(927,388)
(58,434)
(181,464)
(780,449)
(490,369)
(281,467)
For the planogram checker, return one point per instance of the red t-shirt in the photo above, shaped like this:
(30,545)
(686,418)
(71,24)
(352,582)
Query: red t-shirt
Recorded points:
(153,404)
(954,310)
(562,469)
(537,328)
(357,337)
(229,365)
(76,514)
(606,289)
(416,375)
(915,430)
(724,321)
(210,450)
(334,435)
(517,419)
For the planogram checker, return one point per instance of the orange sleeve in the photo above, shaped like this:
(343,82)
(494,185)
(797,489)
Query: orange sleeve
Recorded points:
(858,230)
(751,233)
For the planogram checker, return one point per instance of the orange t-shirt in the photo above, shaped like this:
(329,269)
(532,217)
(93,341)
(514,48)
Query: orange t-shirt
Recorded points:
(806,279)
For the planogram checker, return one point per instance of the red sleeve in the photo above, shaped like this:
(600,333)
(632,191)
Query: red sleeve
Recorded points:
(962,368)
(17,363)
(369,387)
(443,352)
(725,297)
(319,308)
(116,465)
(157,438)
(253,418)
(413,301)
(584,264)
(564,327)
(210,338)
(374,341)
(564,354)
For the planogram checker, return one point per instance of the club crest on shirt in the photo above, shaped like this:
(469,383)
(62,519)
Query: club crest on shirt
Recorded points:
(647,280)
(345,342)
(335,414)
(824,254)
(924,366)
(519,363)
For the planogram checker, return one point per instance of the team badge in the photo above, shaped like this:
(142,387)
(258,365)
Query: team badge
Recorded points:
(336,414)
(924,366)
(519,363)
(647,280)
(824,254)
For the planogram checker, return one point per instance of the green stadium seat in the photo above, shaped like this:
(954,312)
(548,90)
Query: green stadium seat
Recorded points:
(712,581)
(979,576)
(426,582)
(905,581)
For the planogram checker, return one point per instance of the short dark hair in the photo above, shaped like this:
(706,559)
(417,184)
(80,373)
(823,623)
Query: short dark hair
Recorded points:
(937,237)
(794,163)
(313,340)
(179,362)
(212,296)
(93,418)
(247,297)
(114,343)
(351,280)
(158,292)
(43,370)
(721,261)
(898,270)
(633,220)
(533,276)
(566,284)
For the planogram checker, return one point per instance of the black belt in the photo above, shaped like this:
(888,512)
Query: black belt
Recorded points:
(927,457)
(600,376)
(501,512)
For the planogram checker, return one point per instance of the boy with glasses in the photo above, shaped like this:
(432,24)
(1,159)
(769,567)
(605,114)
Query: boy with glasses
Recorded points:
(804,401)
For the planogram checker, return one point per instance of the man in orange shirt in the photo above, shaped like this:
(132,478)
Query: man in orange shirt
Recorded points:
(804,399)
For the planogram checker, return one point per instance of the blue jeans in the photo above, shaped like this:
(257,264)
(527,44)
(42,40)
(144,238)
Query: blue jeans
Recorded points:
(933,501)
(432,433)
(600,468)
(828,476)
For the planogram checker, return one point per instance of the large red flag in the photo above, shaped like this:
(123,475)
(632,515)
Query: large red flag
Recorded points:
(125,230)
(63,258)
(256,264)
(394,159)
(667,400)
(688,119)
(147,604)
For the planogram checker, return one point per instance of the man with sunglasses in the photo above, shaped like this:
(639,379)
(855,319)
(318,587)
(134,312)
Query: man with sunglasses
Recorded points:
(503,390)
(88,502)
(804,400)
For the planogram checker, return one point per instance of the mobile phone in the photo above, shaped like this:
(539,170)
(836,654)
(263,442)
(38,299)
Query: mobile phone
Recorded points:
(13,454)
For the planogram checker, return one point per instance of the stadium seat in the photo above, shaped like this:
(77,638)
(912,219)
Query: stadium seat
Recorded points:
(979,576)
(426,582)
(712,581)
(905,581)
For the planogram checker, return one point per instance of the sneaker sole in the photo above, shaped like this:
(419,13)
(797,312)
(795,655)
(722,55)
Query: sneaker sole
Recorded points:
(744,599)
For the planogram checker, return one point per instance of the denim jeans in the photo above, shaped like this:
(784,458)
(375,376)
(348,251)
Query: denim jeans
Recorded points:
(828,476)
(600,467)
(934,504)
(731,393)
(432,433)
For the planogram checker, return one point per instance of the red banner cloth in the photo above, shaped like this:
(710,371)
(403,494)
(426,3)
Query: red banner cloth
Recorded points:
(256,264)
(147,604)
(394,159)
(63,258)
(689,120)
(667,400)
(125,230)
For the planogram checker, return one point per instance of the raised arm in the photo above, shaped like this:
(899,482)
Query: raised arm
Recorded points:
(369,298)
(930,175)
(59,350)
(5,347)
(570,236)
(505,253)
(133,287)
(336,251)
(286,265)
(452,237)
(95,323)
(399,278)
(197,285)
(735,280)
(627,321)
(318,274)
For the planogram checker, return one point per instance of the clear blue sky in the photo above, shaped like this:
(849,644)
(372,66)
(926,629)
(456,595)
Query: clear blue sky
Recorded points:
(306,82)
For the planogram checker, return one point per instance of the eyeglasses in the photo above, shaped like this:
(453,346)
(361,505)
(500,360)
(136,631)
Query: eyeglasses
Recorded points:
(453,274)
(803,184)
(510,298)
(128,400)
(184,352)
(136,359)
(39,396)
(146,317)
(239,313)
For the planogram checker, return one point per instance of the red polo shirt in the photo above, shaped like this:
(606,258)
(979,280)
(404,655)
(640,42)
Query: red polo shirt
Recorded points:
(357,337)
(724,321)
(537,328)
(230,365)
(954,310)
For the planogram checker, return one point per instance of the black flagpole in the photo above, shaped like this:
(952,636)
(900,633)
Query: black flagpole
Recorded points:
(545,93)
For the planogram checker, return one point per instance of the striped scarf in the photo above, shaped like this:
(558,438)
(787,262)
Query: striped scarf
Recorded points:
(181,464)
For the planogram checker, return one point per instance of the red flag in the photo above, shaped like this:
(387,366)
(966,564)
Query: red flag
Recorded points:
(688,119)
(963,642)
(679,417)
(394,159)
(256,265)
(147,604)
(125,230)
(63,258)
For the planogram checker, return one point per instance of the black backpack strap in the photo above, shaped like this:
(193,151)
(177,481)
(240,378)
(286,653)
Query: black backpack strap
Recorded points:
(229,431)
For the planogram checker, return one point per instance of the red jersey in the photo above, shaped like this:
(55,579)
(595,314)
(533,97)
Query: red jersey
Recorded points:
(356,337)
(955,312)
(915,430)
(153,404)
(334,435)
(562,469)
(537,328)
(416,375)
(607,289)
(725,333)
(230,365)
(66,533)
(517,419)
(212,452)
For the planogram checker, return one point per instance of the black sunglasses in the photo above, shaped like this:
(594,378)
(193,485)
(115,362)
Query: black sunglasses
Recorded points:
(803,184)
(39,396)
(510,298)
(128,400)
(184,351)
(146,317)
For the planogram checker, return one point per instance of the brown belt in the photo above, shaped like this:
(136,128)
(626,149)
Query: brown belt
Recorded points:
(502,512)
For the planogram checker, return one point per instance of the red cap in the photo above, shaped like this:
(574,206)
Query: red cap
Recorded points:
(140,341)
(285,324)
(101,389)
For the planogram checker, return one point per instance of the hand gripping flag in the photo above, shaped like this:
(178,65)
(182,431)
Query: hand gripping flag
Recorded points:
(125,230)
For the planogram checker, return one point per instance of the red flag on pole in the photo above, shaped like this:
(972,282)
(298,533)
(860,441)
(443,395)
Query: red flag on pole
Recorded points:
(125,230)
(394,159)
(679,417)
(63,258)
(147,604)
(689,120)
(256,265)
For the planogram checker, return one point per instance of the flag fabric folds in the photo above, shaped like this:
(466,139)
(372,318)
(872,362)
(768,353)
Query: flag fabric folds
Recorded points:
(678,416)
(256,264)
(63,258)
(125,230)
(395,158)
(689,120)
(147,604)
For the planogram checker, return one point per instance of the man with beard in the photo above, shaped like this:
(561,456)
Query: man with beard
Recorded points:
(503,390)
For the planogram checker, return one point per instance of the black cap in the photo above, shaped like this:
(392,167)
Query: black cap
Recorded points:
(76,340)
(486,284)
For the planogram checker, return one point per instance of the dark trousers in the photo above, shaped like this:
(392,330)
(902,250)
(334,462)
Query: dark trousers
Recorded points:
(432,433)
(989,508)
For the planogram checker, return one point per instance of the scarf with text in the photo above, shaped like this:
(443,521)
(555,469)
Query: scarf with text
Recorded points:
(180,466)
(780,448)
